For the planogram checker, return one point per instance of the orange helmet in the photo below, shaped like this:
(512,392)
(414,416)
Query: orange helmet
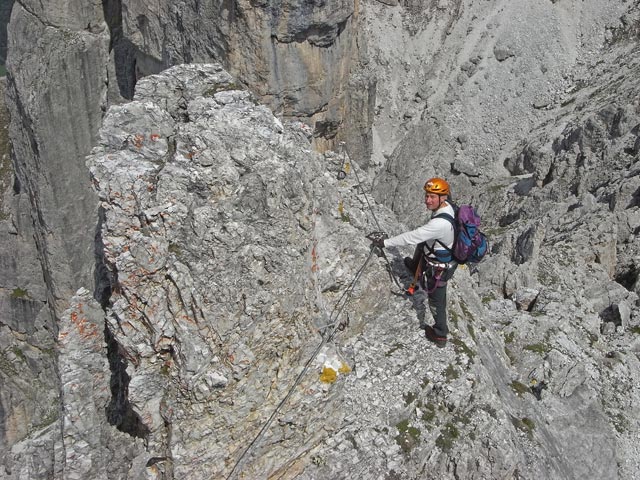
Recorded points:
(437,186)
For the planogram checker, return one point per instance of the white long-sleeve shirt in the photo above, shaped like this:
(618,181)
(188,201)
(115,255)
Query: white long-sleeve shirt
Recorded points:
(435,229)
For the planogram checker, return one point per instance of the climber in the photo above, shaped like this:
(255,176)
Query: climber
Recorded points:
(430,255)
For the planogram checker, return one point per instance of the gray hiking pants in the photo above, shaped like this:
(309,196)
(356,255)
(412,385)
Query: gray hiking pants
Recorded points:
(438,298)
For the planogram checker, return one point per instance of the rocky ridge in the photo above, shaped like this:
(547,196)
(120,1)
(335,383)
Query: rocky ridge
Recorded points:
(556,302)
(185,186)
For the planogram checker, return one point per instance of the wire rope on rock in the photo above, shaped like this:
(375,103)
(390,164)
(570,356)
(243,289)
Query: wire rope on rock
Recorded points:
(337,310)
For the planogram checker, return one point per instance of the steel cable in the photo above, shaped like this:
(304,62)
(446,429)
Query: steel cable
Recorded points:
(325,339)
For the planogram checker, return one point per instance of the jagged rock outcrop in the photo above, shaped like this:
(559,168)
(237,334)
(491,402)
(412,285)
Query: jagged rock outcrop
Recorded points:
(529,109)
(216,231)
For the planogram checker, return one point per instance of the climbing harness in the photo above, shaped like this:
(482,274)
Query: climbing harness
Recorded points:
(436,276)
(327,331)
(422,277)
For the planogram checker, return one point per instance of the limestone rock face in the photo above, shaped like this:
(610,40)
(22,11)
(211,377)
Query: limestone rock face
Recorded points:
(170,308)
(57,58)
(5,13)
(208,227)
(54,119)
(296,55)
(29,393)
(460,84)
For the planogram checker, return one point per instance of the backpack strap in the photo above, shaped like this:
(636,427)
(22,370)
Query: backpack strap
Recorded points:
(448,217)
(433,251)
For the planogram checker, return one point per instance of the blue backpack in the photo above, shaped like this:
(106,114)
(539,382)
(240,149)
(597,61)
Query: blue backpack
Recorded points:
(470,245)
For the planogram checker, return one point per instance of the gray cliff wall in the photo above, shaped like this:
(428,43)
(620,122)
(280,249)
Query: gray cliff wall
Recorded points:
(54,90)
(151,321)
(5,13)
(29,393)
(297,56)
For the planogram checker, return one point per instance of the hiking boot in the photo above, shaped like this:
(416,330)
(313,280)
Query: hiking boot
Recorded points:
(410,264)
(432,337)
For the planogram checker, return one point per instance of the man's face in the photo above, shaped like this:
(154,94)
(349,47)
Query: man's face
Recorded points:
(432,201)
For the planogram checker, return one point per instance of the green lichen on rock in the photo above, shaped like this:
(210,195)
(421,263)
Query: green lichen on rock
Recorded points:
(463,348)
(6,365)
(454,318)
(428,413)
(19,293)
(467,313)
(542,348)
(19,353)
(409,398)
(448,436)
(221,87)
(175,249)
(620,422)
(451,373)
(488,298)
(519,388)
(472,332)
(524,424)
(396,346)
(408,436)
(52,415)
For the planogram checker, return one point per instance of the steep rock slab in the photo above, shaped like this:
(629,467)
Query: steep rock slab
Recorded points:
(56,86)
(29,397)
(54,90)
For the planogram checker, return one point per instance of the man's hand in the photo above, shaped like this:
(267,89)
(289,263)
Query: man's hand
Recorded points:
(378,238)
